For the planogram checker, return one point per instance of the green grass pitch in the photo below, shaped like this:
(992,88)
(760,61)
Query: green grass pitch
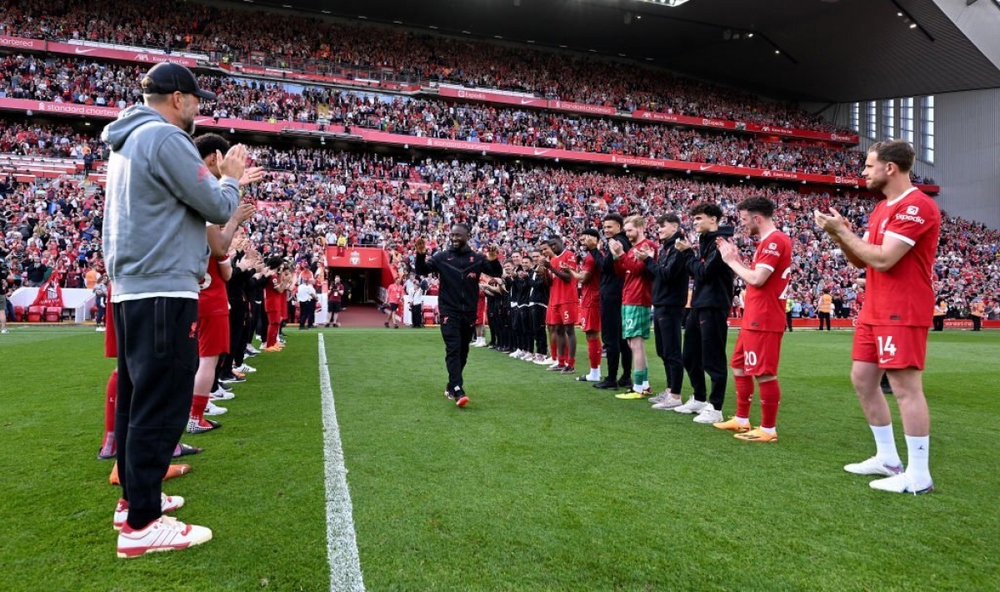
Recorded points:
(541,483)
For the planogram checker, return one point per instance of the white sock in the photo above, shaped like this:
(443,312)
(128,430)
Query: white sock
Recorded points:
(918,453)
(742,420)
(595,374)
(885,445)
(768,430)
(645,386)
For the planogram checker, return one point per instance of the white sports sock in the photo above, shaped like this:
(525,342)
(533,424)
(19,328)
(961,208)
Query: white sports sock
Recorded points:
(595,374)
(741,420)
(918,454)
(885,445)
(768,430)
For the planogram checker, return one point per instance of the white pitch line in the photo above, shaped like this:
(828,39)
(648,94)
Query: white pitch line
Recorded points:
(341,540)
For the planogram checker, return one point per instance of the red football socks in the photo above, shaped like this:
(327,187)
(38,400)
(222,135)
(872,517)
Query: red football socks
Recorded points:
(770,397)
(744,394)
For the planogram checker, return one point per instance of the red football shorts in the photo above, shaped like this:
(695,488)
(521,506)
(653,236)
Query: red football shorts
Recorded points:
(481,312)
(892,347)
(757,352)
(562,314)
(110,339)
(213,335)
(590,318)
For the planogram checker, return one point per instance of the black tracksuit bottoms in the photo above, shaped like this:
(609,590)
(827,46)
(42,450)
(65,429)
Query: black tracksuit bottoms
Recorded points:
(157,361)
(457,330)
(611,334)
(667,321)
(705,352)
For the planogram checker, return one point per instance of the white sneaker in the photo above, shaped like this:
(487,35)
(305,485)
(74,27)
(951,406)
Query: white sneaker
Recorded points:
(100,329)
(213,409)
(901,484)
(164,534)
(692,406)
(515,354)
(221,395)
(660,397)
(246,369)
(252,350)
(668,403)
(873,466)
(168,503)
(5,331)
(709,415)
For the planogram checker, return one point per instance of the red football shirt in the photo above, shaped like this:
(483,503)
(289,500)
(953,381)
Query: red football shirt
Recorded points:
(638,289)
(561,291)
(904,295)
(765,306)
(395,294)
(592,287)
(212,299)
(274,301)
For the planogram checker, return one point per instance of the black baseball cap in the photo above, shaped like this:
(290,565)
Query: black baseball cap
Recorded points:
(167,77)
(590,232)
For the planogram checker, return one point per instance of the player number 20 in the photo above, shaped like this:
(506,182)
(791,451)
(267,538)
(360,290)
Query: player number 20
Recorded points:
(750,358)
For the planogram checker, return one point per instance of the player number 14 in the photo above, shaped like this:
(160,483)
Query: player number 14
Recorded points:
(888,347)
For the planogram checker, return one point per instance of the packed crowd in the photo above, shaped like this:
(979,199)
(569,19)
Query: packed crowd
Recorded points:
(311,197)
(27,139)
(87,82)
(323,47)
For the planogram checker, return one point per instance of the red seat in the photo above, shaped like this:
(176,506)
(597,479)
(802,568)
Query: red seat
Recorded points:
(35,314)
(53,314)
(18,314)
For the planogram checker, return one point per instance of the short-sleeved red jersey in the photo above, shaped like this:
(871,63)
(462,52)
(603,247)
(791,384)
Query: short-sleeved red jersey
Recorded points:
(212,299)
(563,292)
(591,288)
(904,295)
(765,306)
(638,289)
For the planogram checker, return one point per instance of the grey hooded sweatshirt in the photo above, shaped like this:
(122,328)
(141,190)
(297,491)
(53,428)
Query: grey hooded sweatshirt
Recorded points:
(159,196)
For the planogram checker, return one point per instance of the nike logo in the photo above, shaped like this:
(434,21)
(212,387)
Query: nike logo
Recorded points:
(527,101)
(705,167)
(79,50)
(540,152)
(881,361)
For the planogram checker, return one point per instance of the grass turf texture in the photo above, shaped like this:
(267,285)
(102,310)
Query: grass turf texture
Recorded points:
(542,483)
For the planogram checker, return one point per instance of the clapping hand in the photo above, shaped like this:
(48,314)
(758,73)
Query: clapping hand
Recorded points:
(616,248)
(833,223)
(234,163)
(728,250)
(644,253)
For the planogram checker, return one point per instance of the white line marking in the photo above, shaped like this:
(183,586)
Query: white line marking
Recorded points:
(341,540)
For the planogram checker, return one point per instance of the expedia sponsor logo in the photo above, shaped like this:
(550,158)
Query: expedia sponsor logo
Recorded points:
(845,181)
(468,94)
(910,218)
(713,123)
(840,138)
(912,210)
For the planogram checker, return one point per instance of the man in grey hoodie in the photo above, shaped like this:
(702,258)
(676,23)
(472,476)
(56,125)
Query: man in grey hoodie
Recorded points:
(160,195)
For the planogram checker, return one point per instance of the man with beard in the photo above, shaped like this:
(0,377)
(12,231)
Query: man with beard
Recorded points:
(458,268)
(160,195)
(898,252)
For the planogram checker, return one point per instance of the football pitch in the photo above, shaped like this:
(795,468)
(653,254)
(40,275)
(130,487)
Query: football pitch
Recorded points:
(541,483)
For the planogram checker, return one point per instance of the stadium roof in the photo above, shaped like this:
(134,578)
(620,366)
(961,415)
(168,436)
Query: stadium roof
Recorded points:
(823,50)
